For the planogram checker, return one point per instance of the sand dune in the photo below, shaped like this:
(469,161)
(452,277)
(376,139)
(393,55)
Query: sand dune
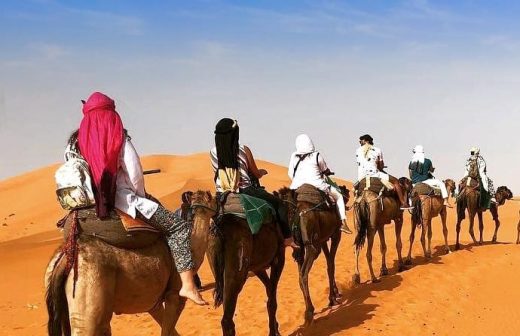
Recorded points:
(469,292)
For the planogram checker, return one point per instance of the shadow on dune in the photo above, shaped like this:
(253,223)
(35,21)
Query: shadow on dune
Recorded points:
(352,312)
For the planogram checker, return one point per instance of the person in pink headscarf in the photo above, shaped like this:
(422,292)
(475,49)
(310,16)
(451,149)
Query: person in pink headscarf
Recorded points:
(118,183)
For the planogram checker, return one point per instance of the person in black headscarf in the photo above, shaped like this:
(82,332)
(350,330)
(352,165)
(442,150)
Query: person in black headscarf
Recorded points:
(235,170)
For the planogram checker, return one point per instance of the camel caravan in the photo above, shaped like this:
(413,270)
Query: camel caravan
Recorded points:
(118,239)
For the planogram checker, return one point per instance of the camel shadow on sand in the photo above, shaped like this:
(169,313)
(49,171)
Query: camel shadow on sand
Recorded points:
(352,312)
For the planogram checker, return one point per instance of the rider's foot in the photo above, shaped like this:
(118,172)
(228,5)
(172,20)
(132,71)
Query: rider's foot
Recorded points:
(344,227)
(405,206)
(193,295)
(290,242)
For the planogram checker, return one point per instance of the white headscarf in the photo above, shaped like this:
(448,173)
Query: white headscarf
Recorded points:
(304,144)
(418,154)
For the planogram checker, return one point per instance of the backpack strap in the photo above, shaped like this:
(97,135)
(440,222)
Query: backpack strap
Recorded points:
(300,159)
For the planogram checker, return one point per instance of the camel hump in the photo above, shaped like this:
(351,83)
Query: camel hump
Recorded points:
(113,230)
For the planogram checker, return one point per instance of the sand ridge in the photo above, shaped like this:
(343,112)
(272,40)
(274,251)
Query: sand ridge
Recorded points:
(469,292)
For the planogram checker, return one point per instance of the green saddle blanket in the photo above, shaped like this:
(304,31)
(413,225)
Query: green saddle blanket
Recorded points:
(255,210)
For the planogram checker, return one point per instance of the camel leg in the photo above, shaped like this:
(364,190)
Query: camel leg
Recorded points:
(424,229)
(471,224)
(334,244)
(430,234)
(311,253)
(445,229)
(408,260)
(173,307)
(271,285)
(457,228)
(382,245)
(331,268)
(370,245)
(399,243)
(91,308)
(356,278)
(494,213)
(480,227)
(233,284)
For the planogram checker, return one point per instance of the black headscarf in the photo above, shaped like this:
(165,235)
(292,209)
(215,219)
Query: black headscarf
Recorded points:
(367,138)
(226,142)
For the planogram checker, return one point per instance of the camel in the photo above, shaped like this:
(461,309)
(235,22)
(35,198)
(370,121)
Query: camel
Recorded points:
(233,251)
(372,211)
(316,227)
(115,280)
(469,200)
(425,208)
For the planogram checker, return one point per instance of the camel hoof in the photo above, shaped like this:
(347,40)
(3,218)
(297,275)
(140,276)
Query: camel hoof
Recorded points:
(356,278)
(408,261)
(448,251)
(494,240)
(376,280)
(402,268)
(384,272)
(457,247)
(428,256)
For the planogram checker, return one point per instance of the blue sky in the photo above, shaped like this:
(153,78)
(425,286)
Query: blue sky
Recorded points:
(444,74)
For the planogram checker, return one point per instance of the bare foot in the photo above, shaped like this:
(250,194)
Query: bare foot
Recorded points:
(345,229)
(193,295)
(448,205)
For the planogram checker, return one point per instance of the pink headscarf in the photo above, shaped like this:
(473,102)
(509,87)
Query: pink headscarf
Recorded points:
(100,139)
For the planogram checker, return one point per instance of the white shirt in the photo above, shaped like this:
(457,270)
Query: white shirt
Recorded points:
(367,158)
(309,171)
(130,193)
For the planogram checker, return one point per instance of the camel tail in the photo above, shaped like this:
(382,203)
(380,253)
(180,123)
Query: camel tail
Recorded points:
(417,212)
(217,262)
(56,299)
(362,214)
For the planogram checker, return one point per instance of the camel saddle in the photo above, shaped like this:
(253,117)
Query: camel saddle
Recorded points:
(473,183)
(119,229)
(310,194)
(373,184)
(423,189)
(256,211)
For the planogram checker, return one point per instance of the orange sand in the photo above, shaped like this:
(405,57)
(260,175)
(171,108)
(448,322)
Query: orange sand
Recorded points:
(469,292)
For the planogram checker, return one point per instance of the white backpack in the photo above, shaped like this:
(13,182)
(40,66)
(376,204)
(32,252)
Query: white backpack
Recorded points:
(73,182)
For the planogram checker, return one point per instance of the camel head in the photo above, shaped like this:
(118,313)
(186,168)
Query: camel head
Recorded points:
(406,184)
(285,194)
(451,186)
(345,192)
(503,194)
(203,204)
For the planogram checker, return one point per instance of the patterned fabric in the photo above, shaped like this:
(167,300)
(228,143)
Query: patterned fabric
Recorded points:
(367,157)
(245,180)
(178,236)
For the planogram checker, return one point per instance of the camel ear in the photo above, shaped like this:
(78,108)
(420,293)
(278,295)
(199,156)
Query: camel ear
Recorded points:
(210,197)
(276,194)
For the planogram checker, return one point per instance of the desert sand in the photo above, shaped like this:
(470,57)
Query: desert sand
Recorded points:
(474,291)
